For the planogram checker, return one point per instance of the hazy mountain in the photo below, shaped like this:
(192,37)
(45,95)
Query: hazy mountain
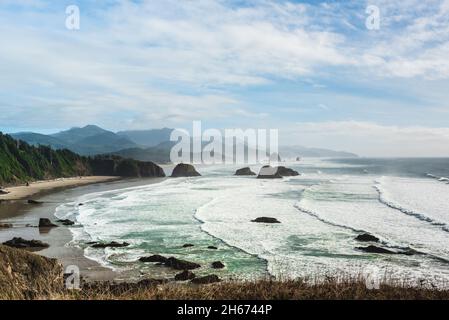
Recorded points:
(145,145)
(89,140)
(39,139)
(75,135)
(147,138)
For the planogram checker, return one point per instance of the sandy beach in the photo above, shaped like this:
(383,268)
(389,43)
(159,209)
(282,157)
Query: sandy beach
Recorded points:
(24,218)
(38,187)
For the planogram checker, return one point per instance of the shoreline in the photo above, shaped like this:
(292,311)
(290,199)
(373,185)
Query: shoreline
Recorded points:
(24,217)
(38,188)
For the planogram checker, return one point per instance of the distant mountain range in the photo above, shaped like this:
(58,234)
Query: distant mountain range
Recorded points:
(145,145)
(93,140)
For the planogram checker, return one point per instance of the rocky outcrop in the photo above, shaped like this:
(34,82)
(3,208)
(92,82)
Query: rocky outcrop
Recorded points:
(366,237)
(46,223)
(206,279)
(184,170)
(375,249)
(244,172)
(188,245)
(5,225)
(31,201)
(153,258)
(3,192)
(116,166)
(266,220)
(179,264)
(112,244)
(287,172)
(185,275)
(268,172)
(21,243)
(66,222)
(212,247)
(24,275)
(217,265)
(171,262)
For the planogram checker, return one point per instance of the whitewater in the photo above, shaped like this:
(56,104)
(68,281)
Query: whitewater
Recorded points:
(321,213)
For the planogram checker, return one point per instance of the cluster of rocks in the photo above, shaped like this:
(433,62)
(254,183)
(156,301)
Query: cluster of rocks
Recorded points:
(21,243)
(111,244)
(186,267)
(266,172)
(3,192)
(366,237)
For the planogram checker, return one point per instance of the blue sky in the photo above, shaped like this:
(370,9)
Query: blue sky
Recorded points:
(309,68)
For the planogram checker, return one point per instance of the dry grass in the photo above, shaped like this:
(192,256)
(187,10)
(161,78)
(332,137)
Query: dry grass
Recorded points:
(330,289)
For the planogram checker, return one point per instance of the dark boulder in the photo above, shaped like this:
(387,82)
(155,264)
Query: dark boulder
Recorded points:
(178,264)
(374,249)
(268,172)
(366,237)
(217,265)
(212,247)
(206,279)
(185,275)
(188,245)
(184,170)
(46,223)
(154,258)
(112,244)
(286,172)
(244,172)
(21,243)
(66,222)
(266,220)
(31,201)
(5,225)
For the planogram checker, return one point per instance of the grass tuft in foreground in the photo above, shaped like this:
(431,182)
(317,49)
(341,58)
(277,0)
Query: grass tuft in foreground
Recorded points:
(256,290)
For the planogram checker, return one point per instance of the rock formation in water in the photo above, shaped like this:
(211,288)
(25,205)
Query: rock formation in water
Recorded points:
(366,237)
(266,220)
(46,223)
(184,170)
(244,172)
(287,172)
(21,243)
(268,172)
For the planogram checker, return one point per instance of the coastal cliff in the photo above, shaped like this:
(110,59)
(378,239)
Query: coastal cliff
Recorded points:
(21,162)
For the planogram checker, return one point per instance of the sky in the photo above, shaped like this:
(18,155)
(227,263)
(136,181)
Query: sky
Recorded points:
(312,69)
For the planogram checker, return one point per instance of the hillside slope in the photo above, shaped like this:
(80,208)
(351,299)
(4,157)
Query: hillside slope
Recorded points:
(20,162)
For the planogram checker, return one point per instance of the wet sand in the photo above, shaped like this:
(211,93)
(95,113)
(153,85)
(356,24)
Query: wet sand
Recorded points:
(25,217)
(38,187)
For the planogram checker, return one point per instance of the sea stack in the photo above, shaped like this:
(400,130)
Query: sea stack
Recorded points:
(287,172)
(184,170)
(268,172)
(244,172)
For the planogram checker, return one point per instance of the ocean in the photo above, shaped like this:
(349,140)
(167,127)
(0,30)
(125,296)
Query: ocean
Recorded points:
(403,202)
